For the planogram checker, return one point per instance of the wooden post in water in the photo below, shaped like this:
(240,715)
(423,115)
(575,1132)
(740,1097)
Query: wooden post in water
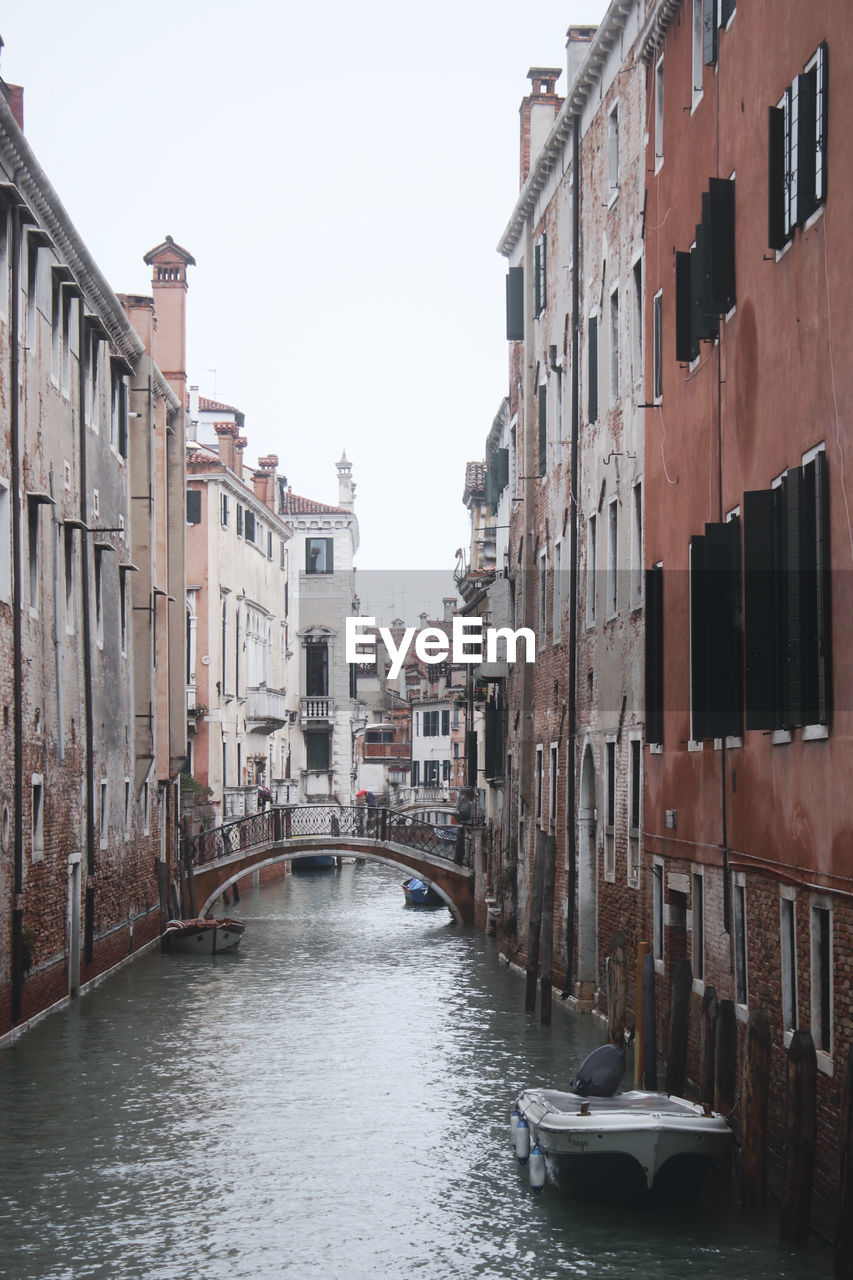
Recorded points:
(800,1139)
(725,1076)
(844,1221)
(616,991)
(642,952)
(755,1087)
(650,1047)
(707,1065)
(676,1067)
(549,851)
(534,924)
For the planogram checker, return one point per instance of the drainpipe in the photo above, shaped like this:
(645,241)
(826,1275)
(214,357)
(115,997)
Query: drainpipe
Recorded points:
(571,823)
(89,923)
(17,644)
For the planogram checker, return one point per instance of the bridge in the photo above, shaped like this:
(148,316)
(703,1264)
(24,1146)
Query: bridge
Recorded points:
(214,860)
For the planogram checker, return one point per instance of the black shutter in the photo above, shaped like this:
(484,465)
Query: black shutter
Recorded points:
(658,344)
(122,418)
(698,635)
(821,122)
(471,756)
(721,205)
(792,617)
(704,318)
(815,666)
(760,609)
(822,587)
(502,468)
(491,496)
(515,304)
(723,653)
(709,31)
(727,8)
(684,347)
(539,276)
(806,144)
(776,179)
(493,746)
(592,397)
(193,506)
(543,429)
(654,654)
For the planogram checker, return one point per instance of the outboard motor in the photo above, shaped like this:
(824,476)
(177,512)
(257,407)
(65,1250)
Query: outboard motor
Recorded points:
(600,1073)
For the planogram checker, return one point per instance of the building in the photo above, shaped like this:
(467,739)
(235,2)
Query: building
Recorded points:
(91,564)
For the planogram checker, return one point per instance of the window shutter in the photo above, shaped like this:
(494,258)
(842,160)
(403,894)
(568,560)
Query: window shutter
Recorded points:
(515,304)
(760,609)
(122,418)
(822,584)
(776,236)
(685,349)
(721,205)
(791,518)
(502,468)
(821,121)
(471,756)
(806,144)
(654,654)
(543,429)
(727,8)
(815,666)
(724,702)
(698,633)
(792,102)
(193,506)
(592,397)
(704,318)
(658,345)
(539,275)
(250,526)
(239,521)
(709,32)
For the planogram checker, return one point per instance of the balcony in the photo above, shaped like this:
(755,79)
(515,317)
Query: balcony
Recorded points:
(265,710)
(317,710)
(387,751)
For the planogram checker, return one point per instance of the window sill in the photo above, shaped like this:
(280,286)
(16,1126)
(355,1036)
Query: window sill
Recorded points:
(787,1037)
(659,966)
(825,1063)
(780,736)
(813,217)
(699,986)
(697,98)
(614,196)
(742,1012)
(815,732)
(694,744)
(633,882)
(655,748)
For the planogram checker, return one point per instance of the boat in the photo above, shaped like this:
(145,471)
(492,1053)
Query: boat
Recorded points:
(631,1147)
(313,861)
(419,894)
(204,936)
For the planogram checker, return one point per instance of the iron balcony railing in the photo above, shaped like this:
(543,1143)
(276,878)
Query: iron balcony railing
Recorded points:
(294,822)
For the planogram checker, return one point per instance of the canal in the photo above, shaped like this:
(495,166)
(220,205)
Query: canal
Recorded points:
(330,1101)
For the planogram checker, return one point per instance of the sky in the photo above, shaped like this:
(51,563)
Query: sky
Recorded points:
(342,175)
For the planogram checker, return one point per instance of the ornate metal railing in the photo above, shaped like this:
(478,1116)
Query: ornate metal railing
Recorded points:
(293,822)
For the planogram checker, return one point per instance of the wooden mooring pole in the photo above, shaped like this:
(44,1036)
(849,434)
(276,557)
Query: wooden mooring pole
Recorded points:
(708,1046)
(650,1047)
(616,990)
(639,1047)
(549,854)
(844,1221)
(755,1087)
(534,924)
(676,1066)
(800,1139)
(725,1053)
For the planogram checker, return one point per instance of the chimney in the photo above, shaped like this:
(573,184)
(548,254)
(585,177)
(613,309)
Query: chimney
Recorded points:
(538,112)
(169,263)
(578,40)
(449,603)
(263,480)
(346,488)
(240,443)
(226,433)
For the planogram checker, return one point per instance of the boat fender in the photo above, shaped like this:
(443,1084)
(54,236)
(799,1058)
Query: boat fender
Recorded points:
(522,1140)
(536,1168)
(513,1122)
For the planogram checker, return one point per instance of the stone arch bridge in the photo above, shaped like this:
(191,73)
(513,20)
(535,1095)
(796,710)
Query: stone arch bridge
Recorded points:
(442,856)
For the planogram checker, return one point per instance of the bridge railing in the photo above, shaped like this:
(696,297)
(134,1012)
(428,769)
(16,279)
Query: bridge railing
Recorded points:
(293,822)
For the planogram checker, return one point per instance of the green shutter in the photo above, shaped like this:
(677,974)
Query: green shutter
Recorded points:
(193,506)
(592,351)
(543,429)
(502,468)
(515,304)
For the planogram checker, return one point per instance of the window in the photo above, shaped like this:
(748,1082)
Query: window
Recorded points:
(591,554)
(654,655)
(614,348)
(798,153)
(68,542)
(317,751)
(715,633)
(657,908)
(636,796)
(430,724)
(416,773)
(637,326)
(705,276)
(543,428)
(557,591)
(33,548)
(5,534)
(282,561)
(739,920)
(698,952)
(610,809)
(539,276)
(56,330)
(223,510)
(709,32)
(445,724)
(249,525)
(99,601)
(193,506)
(543,599)
(146,806)
(788,931)
(698,48)
(239,520)
(105,813)
(269,544)
(612,555)
(592,354)
(657,321)
(445,770)
(821,976)
(553,776)
(515,304)
(93,384)
(37,834)
(659,114)
(127,795)
(637,545)
(122,608)
(539,768)
(318,555)
(613,151)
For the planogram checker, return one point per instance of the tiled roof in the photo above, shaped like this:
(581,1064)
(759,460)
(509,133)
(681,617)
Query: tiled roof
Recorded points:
(475,477)
(293,505)
(214,406)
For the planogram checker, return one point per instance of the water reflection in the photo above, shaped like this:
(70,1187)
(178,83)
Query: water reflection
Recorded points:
(330,1100)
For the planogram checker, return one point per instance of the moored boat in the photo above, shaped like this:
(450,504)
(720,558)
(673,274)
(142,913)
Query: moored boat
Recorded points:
(419,894)
(313,861)
(205,936)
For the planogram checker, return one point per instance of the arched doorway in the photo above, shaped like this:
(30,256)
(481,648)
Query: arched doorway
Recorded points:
(587,839)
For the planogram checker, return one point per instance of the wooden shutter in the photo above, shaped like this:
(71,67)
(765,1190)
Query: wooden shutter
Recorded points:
(539,258)
(760,609)
(592,352)
(721,206)
(792,607)
(723,649)
(684,347)
(698,635)
(709,32)
(654,654)
(657,338)
(806,144)
(502,468)
(822,584)
(193,506)
(471,756)
(515,304)
(821,122)
(815,621)
(543,429)
(776,235)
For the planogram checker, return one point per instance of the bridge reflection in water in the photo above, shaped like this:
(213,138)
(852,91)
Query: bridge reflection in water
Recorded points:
(441,855)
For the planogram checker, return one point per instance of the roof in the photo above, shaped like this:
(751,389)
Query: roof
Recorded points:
(215,406)
(168,248)
(293,505)
(475,480)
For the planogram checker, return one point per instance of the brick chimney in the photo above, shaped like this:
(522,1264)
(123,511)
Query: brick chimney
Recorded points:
(578,40)
(263,480)
(240,443)
(226,433)
(169,263)
(538,112)
(449,603)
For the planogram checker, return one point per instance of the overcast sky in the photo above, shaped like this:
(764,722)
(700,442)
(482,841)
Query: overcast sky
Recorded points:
(342,175)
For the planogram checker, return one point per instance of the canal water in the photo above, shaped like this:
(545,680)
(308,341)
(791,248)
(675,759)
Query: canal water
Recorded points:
(332,1100)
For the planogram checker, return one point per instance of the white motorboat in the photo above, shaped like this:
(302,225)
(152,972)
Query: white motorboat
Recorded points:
(204,937)
(633,1146)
